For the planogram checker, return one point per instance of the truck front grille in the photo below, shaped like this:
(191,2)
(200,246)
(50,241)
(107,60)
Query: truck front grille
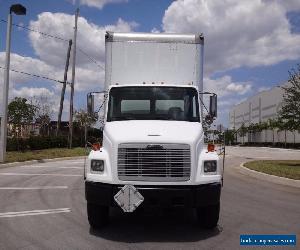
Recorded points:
(154,162)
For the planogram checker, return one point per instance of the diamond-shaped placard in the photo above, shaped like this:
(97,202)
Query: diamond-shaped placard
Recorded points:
(129,198)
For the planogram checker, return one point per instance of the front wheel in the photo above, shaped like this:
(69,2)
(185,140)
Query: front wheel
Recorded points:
(97,215)
(208,216)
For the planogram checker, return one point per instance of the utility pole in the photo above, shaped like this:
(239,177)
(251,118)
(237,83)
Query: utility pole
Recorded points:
(18,9)
(63,90)
(3,132)
(73,81)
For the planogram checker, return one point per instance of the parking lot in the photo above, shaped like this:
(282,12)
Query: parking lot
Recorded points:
(43,207)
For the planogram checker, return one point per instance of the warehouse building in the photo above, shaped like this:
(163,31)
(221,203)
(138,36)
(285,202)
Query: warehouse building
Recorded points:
(260,108)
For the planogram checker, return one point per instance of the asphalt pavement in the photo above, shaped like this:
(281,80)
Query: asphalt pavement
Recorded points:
(42,206)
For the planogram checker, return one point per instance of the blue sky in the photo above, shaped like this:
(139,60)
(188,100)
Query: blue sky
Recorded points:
(249,45)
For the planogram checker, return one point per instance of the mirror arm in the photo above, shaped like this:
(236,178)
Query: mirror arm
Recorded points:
(207,93)
(91,94)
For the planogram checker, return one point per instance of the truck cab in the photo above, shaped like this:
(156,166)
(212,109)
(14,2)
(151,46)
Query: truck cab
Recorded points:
(153,151)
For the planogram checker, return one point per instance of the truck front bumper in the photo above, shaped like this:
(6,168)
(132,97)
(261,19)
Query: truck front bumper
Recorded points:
(172,195)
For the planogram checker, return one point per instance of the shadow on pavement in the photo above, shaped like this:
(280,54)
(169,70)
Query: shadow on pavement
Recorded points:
(155,226)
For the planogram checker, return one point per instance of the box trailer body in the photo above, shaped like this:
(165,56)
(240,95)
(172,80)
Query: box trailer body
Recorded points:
(153,150)
(137,58)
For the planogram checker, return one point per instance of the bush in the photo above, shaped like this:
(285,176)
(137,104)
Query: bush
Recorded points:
(40,142)
(16,144)
(58,142)
(45,142)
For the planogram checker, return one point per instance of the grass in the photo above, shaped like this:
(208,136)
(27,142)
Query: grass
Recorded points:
(16,156)
(289,169)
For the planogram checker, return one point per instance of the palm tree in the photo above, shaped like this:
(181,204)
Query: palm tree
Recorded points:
(243,131)
(273,124)
(251,131)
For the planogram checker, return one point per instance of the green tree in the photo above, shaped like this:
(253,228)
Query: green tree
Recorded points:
(251,131)
(20,113)
(290,111)
(229,136)
(243,132)
(84,121)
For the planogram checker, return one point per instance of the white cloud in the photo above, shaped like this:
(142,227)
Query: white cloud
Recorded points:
(100,3)
(28,92)
(90,39)
(41,94)
(155,30)
(22,85)
(225,86)
(51,56)
(289,5)
(239,88)
(264,88)
(237,33)
(229,93)
(29,65)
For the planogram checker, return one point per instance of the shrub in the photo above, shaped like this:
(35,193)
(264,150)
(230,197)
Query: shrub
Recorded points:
(38,143)
(44,142)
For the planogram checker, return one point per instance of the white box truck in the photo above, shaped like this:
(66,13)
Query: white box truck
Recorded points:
(153,151)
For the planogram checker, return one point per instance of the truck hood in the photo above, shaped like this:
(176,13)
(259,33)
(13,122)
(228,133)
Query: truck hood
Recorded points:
(152,131)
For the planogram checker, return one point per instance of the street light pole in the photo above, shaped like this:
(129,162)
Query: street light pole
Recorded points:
(19,10)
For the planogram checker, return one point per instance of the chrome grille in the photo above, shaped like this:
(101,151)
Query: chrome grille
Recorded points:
(153,162)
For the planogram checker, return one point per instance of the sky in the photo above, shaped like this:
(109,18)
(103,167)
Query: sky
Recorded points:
(250,45)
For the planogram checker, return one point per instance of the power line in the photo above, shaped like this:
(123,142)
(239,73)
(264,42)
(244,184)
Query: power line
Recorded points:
(91,58)
(36,31)
(55,37)
(105,98)
(35,75)
(203,104)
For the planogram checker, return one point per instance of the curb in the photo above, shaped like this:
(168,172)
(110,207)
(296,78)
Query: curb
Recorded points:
(268,177)
(22,163)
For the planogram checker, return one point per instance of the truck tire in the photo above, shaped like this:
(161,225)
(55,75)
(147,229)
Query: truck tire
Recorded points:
(97,215)
(208,216)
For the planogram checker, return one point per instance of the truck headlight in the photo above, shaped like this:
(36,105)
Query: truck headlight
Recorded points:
(97,165)
(210,166)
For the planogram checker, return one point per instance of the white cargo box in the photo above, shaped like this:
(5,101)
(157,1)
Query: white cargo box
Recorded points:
(147,58)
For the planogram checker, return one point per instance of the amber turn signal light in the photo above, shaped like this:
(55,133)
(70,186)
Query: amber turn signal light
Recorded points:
(96,146)
(210,147)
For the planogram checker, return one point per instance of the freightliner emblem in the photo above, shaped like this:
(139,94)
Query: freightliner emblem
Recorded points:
(154,146)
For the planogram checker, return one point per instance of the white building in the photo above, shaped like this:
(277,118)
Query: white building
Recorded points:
(260,108)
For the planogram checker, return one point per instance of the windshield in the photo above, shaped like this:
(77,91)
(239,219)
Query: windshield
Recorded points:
(153,103)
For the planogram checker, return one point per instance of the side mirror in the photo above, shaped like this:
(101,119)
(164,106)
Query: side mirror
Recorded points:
(90,104)
(213,106)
